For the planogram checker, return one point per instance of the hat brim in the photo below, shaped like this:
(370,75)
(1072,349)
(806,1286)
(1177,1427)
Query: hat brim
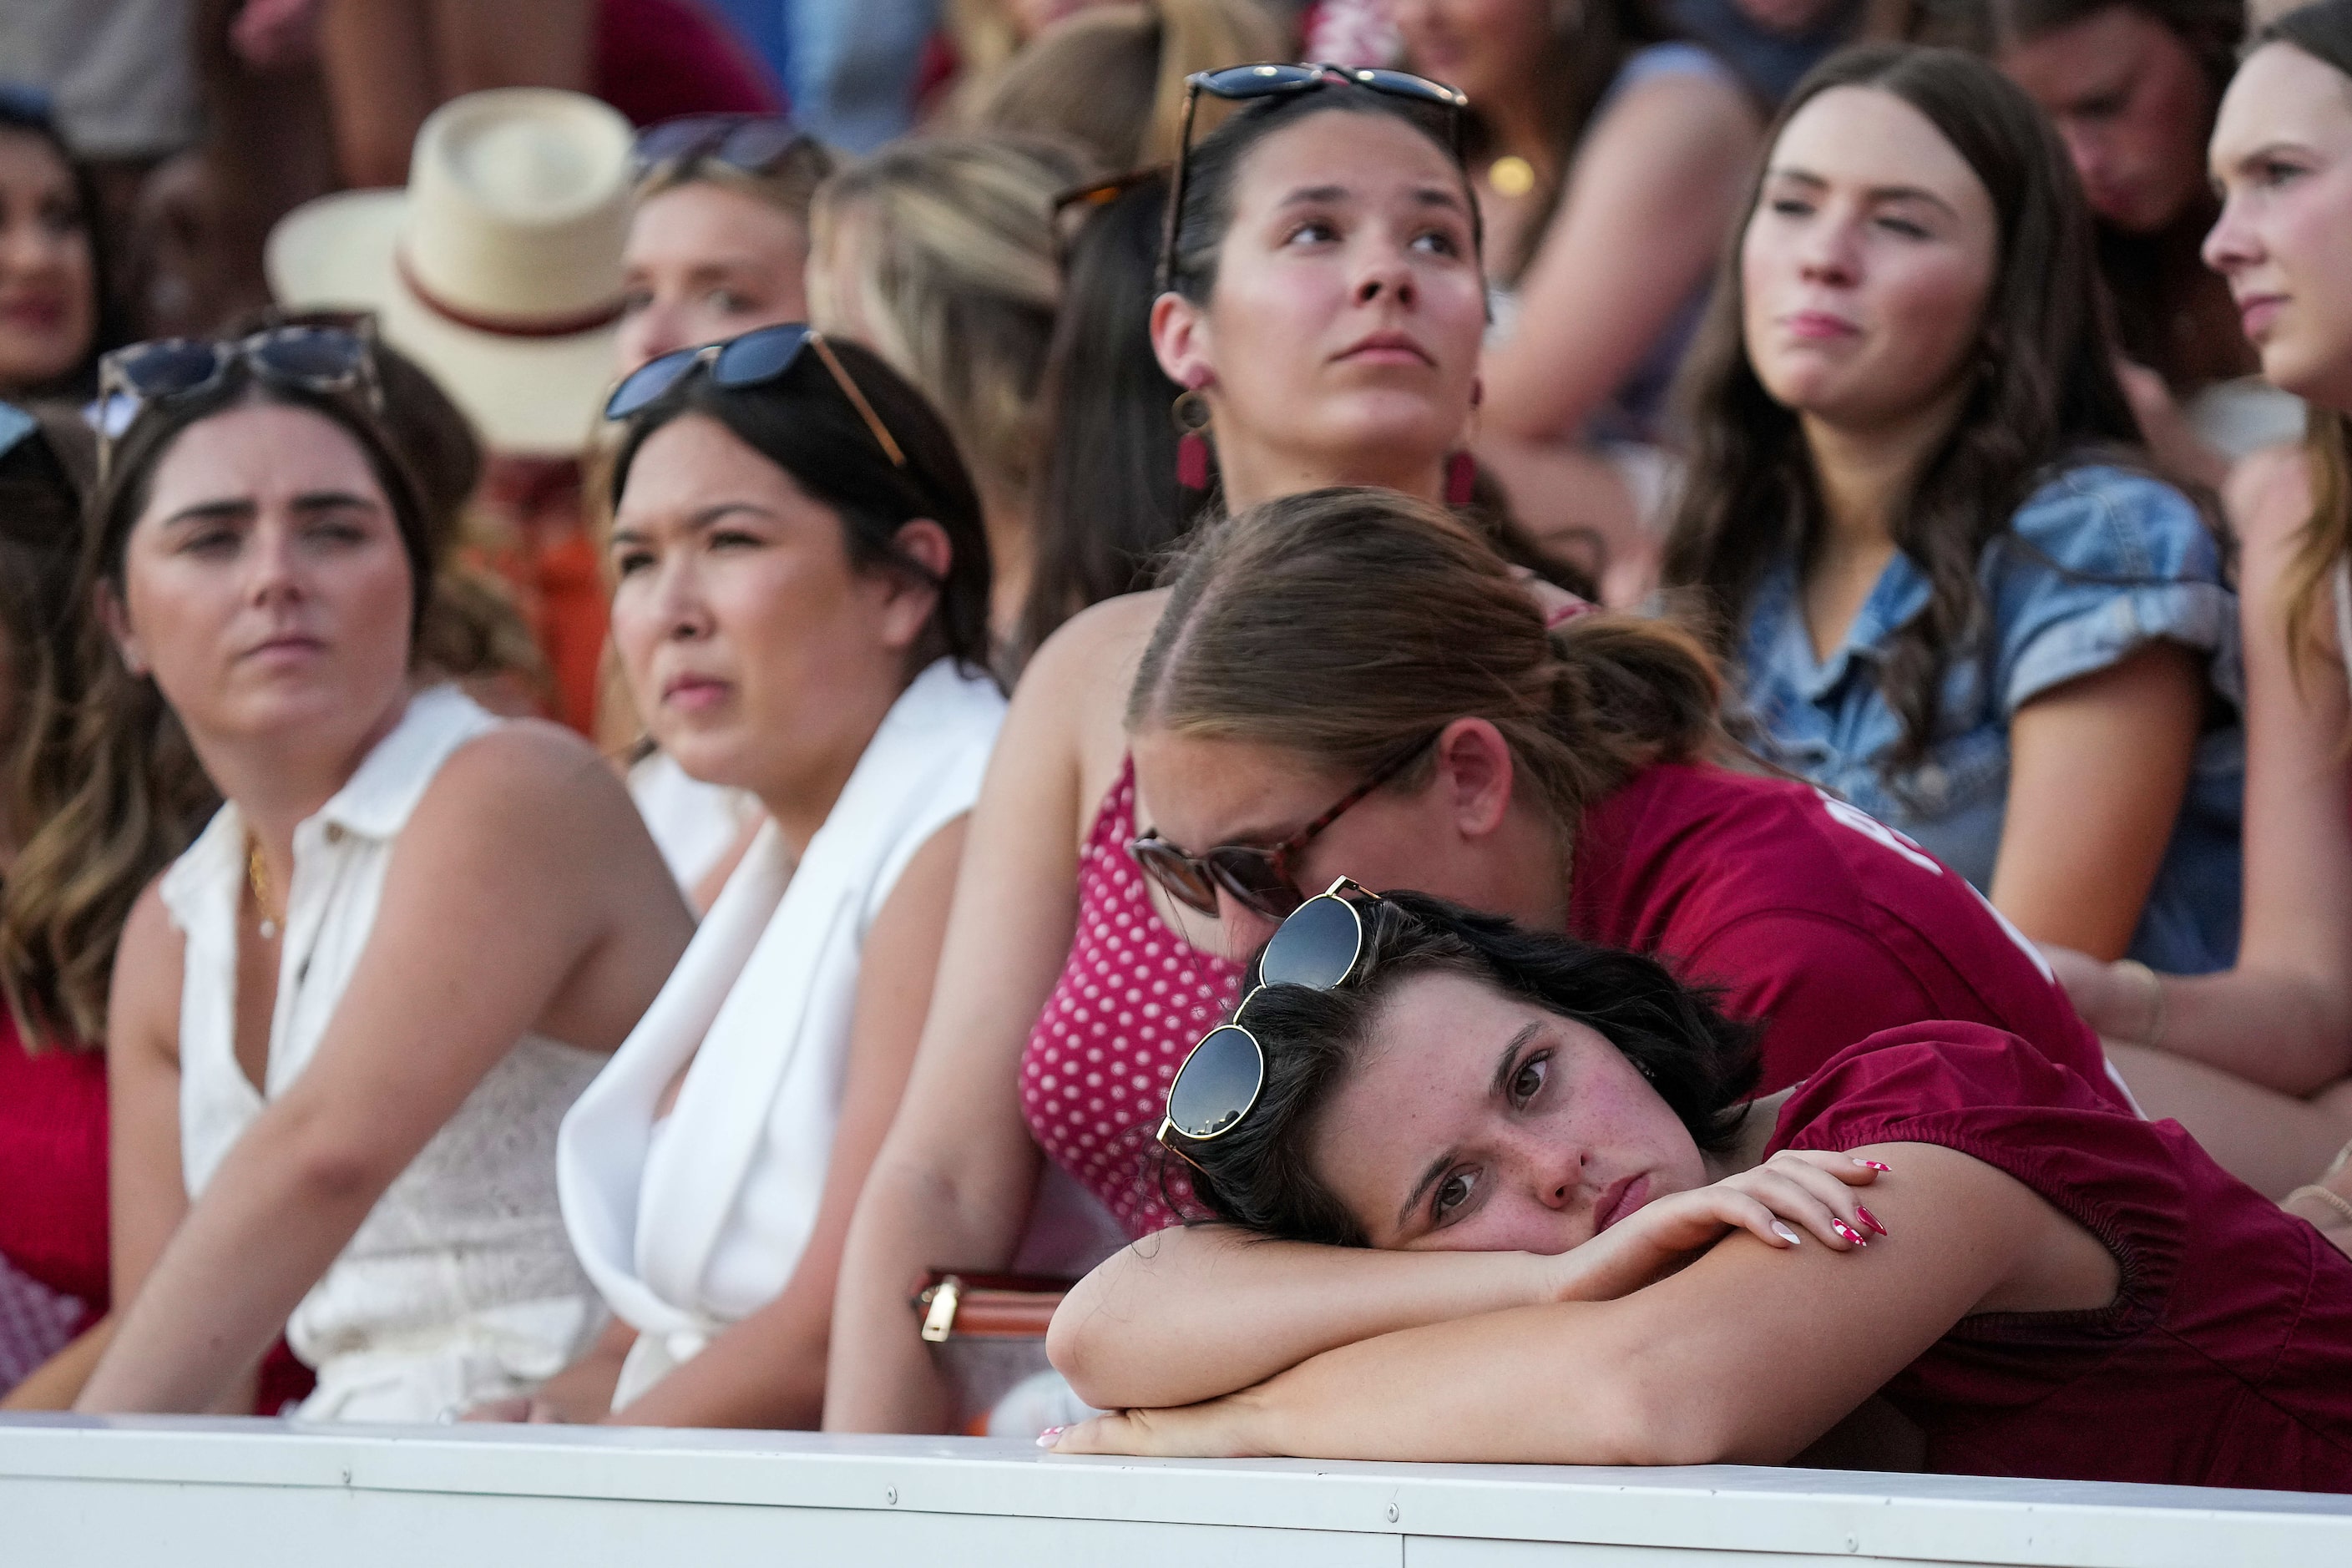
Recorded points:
(538,396)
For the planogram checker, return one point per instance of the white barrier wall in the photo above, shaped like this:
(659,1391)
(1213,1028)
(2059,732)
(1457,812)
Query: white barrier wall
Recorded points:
(187,1493)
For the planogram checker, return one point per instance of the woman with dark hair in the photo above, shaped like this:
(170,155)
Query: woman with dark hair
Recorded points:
(53,311)
(2048,1287)
(1917,522)
(345,1022)
(801,609)
(1109,504)
(2256,1061)
(1323,313)
(2132,87)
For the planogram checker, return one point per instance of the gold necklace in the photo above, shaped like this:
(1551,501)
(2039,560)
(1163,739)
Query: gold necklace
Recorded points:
(256,874)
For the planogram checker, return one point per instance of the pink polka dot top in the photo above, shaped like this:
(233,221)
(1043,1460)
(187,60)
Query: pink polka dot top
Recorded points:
(1133,999)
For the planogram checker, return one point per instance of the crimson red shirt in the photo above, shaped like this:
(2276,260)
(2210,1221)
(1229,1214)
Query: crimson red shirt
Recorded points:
(1811,918)
(53,1166)
(2225,1359)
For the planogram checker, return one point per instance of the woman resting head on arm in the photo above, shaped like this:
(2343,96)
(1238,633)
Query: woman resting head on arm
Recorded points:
(1326,306)
(2256,1061)
(1918,519)
(801,613)
(2049,1287)
(346,1021)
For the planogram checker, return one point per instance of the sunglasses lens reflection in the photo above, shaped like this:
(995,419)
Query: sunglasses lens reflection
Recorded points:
(757,143)
(167,369)
(311,355)
(1178,875)
(648,382)
(761,356)
(1316,946)
(1218,1083)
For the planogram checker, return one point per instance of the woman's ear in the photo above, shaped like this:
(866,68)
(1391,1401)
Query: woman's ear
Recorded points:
(1476,775)
(910,600)
(114,617)
(1181,340)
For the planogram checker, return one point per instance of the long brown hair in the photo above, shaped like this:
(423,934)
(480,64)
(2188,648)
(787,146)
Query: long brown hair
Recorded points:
(137,795)
(2044,390)
(2324,32)
(1343,624)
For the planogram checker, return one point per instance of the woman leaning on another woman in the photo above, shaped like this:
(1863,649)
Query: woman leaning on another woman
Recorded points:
(1921,521)
(2256,1061)
(802,610)
(1597,1250)
(315,1124)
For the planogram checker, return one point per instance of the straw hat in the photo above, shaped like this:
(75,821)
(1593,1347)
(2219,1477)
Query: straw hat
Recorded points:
(498,268)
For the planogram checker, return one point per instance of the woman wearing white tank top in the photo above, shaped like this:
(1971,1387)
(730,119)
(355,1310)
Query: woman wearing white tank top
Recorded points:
(346,1023)
(2257,1062)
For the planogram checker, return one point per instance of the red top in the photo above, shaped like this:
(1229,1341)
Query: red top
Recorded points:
(53,1167)
(2225,1359)
(656,59)
(1811,917)
(1133,999)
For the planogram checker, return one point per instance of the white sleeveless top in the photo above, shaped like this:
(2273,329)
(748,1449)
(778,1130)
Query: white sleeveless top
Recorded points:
(692,1223)
(459,1286)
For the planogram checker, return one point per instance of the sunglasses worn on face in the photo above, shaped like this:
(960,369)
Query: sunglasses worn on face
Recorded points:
(1258,878)
(749,143)
(1318,947)
(316,359)
(1244,83)
(760,356)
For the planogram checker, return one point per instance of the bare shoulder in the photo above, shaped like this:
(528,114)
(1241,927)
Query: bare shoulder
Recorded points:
(144,1001)
(1681,111)
(2268,498)
(523,773)
(1074,694)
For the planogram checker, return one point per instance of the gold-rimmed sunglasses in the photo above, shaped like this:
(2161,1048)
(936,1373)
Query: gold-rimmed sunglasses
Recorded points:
(1318,947)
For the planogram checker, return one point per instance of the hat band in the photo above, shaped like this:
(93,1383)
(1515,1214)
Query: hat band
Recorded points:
(498,326)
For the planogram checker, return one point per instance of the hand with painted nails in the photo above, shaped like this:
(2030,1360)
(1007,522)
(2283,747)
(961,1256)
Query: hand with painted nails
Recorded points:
(1795,1194)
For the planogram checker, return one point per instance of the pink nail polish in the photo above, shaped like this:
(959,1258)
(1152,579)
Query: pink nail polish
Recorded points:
(1848,1232)
(1873,1165)
(1050,1436)
(1869,1218)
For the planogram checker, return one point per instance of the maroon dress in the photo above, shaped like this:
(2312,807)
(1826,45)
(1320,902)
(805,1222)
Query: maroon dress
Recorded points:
(2225,1358)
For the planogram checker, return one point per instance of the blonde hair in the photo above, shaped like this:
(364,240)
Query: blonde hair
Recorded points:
(1111,77)
(789,185)
(954,284)
(2327,536)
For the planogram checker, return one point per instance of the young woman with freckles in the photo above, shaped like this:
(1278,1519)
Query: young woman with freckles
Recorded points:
(2258,1061)
(346,1021)
(1324,313)
(1597,1254)
(1922,525)
(1429,731)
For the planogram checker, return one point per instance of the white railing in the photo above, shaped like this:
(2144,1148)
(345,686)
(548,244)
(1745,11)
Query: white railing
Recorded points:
(166,1493)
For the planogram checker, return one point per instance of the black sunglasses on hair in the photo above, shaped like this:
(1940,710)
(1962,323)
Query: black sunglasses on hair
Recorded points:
(749,143)
(1318,946)
(1243,83)
(1258,876)
(760,356)
(318,359)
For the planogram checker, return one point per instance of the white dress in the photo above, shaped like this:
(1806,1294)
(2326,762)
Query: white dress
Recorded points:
(691,1222)
(459,1286)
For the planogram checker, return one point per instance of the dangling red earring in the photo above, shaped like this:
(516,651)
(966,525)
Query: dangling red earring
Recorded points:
(1461,478)
(1191,413)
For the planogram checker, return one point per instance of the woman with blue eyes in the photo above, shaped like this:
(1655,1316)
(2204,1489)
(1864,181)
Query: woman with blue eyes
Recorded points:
(346,1020)
(1528,1215)
(1922,523)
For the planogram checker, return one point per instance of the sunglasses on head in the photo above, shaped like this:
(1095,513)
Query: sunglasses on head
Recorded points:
(760,356)
(310,357)
(1318,947)
(749,143)
(1258,878)
(1241,84)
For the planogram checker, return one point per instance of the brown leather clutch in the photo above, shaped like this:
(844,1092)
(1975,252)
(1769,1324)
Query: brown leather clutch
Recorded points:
(959,1305)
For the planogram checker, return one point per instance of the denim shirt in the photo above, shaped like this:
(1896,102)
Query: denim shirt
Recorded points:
(2099,561)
